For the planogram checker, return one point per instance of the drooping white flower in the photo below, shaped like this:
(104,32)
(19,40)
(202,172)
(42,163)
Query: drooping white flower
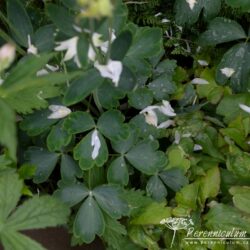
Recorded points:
(197,147)
(191,3)
(166,124)
(150,116)
(203,62)
(58,111)
(7,56)
(167,109)
(199,81)
(43,72)
(245,108)
(96,144)
(70,46)
(228,72)
(111,70)
(31,48)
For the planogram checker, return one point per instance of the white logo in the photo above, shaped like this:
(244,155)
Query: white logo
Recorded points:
(176,224)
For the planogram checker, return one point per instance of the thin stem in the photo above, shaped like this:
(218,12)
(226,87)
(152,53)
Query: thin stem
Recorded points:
(110,39)
(97,101)
(172,242)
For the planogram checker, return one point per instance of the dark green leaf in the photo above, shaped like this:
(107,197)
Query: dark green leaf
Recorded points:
(44,161)
(89,221)
(72,194)
(44,38)
(82,87)
(21,25)
(174,178)
(108,198)
(140,98)
(78,122)
(244,5)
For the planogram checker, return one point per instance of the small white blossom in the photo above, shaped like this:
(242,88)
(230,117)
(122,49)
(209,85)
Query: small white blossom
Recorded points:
(111,70)
(58,111)
(31,48)
(1,81)
(165,20)
(43,72)
(158,14)
(177,137)
(70,46)
(96,144)
(245,108)
(167,109)
(228,72)
(191,3)
(199,81)
(197,147)
(203,62)
(7,56)
(166,124)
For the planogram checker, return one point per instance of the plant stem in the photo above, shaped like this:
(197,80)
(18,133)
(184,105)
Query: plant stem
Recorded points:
(97,101)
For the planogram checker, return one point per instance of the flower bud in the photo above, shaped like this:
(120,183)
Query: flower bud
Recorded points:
(7,56)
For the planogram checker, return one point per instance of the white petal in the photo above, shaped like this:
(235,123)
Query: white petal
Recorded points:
(245,108)
(197,147)
(31,48)
(228,72)
(91,54)
(151,118)
(58,111)
(167,109)
(199,81)
(111,70)
(70,45)
(96,143)
(1,81)
(166,124)
(177,137)
(52,68)
(191,3)
(158,14)
(42,72)
(165,20)
(203,62)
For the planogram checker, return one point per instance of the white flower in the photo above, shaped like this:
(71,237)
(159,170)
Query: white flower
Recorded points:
(165,20)
(96,144)
(245,108)
(111,70)
(167,109)
(228,72)
(1,81)
(191,3)
(150,116)
(31,48)
(43,72)
(197,147)
(158,14)
(177,137)
(203,62)
(7,56)
(58,111)
(199,81)
(71,46)
(166,124)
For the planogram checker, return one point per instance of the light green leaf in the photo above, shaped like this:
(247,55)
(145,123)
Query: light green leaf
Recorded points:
(152,214)
(236,58)
(241,197)
(8,128)
(83,152)
(244,5)
(38,212)
(21,25)
(222,30)
(89,221)
(10,192)
(80,88)
(12,240)
(140,98)
(111,125)
(44,161)
(108,198)
(147,42)
(72,194)
(186,15)
(145,157)
(78,122)
(118,172)
(58,138)
(156,189)
(225,217)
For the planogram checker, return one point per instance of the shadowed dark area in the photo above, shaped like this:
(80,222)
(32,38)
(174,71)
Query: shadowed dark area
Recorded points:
(59,239)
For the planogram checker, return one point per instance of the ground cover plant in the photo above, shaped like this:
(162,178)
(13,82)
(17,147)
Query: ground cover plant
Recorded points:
(131,129)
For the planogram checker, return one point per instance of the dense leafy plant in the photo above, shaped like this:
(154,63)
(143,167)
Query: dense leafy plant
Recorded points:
(119,133)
